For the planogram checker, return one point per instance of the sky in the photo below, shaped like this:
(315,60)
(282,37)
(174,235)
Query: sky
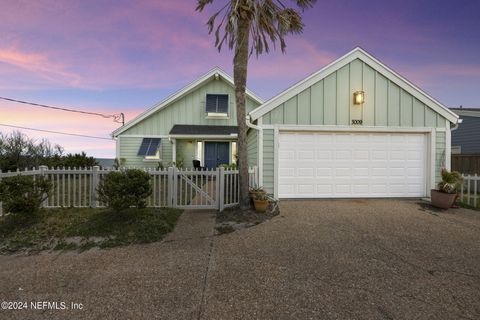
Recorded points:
(112,56)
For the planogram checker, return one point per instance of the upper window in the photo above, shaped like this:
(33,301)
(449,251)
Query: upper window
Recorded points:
(150,148)
(217,105)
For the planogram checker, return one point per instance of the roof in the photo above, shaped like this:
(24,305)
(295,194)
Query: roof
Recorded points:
(186,129)
(357,53)
(467,112)
(212,74)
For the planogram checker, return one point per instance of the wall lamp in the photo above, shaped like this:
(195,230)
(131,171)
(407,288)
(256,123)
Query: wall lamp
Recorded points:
(358,97)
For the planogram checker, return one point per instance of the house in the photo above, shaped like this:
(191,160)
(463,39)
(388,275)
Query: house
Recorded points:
(196,123)
(465,139)
(353,129)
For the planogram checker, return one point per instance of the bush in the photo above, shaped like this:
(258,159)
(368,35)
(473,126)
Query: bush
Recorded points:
(23,195)
(124,189)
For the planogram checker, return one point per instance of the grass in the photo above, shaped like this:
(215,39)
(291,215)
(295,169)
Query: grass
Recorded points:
(84,228)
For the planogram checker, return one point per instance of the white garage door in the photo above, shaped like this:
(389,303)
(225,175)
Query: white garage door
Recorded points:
(350,165)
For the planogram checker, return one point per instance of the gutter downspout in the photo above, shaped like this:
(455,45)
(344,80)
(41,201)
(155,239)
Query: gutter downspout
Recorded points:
(260,148)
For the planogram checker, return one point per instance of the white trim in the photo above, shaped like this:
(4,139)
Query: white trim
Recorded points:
(260,157)
(433,153)
(356,53)
(430,134)
(275,162)
(117,149)
(144,136)
(448,147)
(217,117)
(174,150)
(212,74)
(287,127)
(204,136)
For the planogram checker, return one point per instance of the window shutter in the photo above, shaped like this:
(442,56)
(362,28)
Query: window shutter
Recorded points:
(222,103)
(154,144)
(211,105)
(217,103)
(144,147)
(149,147)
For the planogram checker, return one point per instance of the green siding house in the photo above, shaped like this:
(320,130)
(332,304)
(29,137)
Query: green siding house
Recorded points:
(196,123)
(355,128)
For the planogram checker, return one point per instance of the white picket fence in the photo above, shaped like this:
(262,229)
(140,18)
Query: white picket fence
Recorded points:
(470,190)
(171,187)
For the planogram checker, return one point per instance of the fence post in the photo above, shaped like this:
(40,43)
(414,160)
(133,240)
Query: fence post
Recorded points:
(221,188)
(170,191)
(93,189)
(42,174)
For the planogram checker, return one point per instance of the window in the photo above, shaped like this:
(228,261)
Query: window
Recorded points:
(150,148)
(217,105)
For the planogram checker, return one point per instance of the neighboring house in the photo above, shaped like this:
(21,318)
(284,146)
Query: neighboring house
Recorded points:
(353,129)
(315,141)
(466,138)
(197,123)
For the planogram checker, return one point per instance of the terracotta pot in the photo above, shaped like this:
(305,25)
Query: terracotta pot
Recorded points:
(260,205)
(442,200)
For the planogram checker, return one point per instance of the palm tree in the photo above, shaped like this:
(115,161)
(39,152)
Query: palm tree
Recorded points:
(263,22)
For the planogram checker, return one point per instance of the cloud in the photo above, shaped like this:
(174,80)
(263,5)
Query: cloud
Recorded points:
(38,65)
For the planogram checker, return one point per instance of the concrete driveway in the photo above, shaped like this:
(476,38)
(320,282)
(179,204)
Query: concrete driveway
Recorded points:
(345,259)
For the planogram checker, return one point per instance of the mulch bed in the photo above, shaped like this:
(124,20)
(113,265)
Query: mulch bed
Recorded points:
(233,219)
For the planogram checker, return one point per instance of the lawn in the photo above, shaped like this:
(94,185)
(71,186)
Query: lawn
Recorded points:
(84,228)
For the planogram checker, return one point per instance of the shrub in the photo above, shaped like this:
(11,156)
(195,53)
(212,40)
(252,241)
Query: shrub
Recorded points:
(124,189)
(23,195)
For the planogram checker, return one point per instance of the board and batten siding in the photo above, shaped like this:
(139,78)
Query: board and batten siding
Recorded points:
(268,158)
(128,150)
(440,140)
(190,109)
(330,102)
(252,147)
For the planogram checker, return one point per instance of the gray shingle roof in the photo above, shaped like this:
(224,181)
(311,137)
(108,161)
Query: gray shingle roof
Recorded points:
(187,129)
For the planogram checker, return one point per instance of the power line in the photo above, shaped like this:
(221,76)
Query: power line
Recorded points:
(119,117)
(56,132)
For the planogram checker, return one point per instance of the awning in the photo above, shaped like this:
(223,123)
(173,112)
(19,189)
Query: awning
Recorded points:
(203,130)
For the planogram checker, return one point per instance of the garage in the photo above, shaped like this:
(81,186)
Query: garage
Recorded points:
(351,165)
(353,129)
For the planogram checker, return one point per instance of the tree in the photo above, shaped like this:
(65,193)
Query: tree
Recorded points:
(264,22)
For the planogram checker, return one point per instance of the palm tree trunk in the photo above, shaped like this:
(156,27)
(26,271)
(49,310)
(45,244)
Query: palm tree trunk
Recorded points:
(240,64)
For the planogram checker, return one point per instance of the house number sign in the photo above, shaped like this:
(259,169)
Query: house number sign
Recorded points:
(357,122)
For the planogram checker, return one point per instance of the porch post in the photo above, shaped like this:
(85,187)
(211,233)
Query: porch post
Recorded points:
(174,151)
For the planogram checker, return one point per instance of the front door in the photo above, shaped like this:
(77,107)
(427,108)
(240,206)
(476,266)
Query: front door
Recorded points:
(216,153)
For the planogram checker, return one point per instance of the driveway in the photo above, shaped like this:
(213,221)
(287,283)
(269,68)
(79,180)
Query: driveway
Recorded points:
(335,259)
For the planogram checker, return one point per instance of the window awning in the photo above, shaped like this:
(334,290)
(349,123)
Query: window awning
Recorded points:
(203,130)
(149,147)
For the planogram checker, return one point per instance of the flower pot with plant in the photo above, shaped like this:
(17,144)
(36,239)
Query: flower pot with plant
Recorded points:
(261,202)
(254,191)
(448,188)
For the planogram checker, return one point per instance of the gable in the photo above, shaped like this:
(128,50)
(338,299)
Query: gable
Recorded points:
(188,106)
(326,98)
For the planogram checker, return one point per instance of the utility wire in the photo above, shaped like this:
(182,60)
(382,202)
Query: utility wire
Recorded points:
(56,132)
(116,117)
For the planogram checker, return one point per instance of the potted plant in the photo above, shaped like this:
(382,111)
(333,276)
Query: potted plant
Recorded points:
(261,202)
(448,189)
(254,191)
